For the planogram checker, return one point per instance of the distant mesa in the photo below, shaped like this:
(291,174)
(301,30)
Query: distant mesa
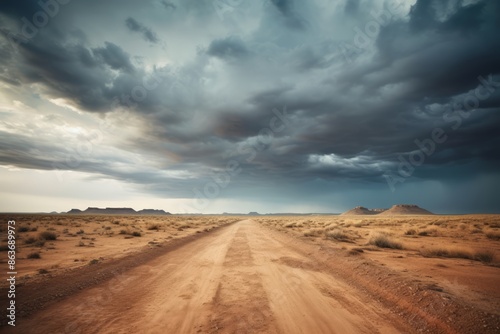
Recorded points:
(399,209)
(152,212)
(406,209)
(253,213)
(117,211)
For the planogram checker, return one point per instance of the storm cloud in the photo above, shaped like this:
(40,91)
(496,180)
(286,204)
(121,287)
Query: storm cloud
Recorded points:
(374,100)
(147,33)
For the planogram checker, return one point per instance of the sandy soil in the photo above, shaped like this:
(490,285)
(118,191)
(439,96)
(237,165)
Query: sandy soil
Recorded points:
(251,277)
(84,239)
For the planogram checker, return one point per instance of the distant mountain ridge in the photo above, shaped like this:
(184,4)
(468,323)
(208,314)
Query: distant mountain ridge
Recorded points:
(398,209)
(117,211)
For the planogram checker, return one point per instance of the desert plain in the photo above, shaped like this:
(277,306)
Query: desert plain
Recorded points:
(255,274)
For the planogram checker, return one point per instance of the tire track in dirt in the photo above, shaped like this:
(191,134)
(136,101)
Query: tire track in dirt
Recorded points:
(241,304)
(304,298)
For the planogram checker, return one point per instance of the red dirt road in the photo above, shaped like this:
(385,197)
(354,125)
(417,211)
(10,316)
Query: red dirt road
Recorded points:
(242,278)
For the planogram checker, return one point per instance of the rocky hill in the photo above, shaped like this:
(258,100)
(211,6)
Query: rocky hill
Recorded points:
(361,210)
(406,209)
(399,209)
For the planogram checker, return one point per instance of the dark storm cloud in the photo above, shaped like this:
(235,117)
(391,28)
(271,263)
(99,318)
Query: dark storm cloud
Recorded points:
(446,62)
(291,18)
(147,33)
(351,7)
(347,121)
(230,48)
(169,5)
(112,55)
(96,79)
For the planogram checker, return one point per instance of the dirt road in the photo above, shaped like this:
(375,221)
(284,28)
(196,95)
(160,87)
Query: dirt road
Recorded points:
(242,278)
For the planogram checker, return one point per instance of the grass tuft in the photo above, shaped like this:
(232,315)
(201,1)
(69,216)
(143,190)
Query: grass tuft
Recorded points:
(30,240)
(459,253)
(493,235)
(314,232)
(337,235)
(410,231)
(46,235)
(34,255)
(384,241)
(154,226)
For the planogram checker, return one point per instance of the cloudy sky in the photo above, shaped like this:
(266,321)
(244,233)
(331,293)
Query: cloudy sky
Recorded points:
(238,105)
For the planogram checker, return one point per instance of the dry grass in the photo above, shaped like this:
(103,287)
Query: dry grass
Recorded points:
(384,241)
(153,226)
(72,240)
(410,231)
(338,235)
(47,235)
(458,253)
(493,235)
(34,255)
(315,232)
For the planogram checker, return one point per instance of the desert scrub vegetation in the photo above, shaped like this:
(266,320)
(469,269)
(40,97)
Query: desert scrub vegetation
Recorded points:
(313,232)
(410,231)
(459,253)
(338,235)
(30,240)
(153,226)
(47,235)
(34,255)
(493,235)
(360,224)
(384,241)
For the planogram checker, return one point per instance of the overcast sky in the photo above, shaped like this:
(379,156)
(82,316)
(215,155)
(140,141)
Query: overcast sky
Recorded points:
(250,105)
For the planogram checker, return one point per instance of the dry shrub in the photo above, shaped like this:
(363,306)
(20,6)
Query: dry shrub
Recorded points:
(384,241)
(493,235)
(314,232)
(484,256)
(30,240)
(46,235)
(427,232)
(39,243)
(337,235)
(34,255)
(154,226)
(458,253)
(410,231)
